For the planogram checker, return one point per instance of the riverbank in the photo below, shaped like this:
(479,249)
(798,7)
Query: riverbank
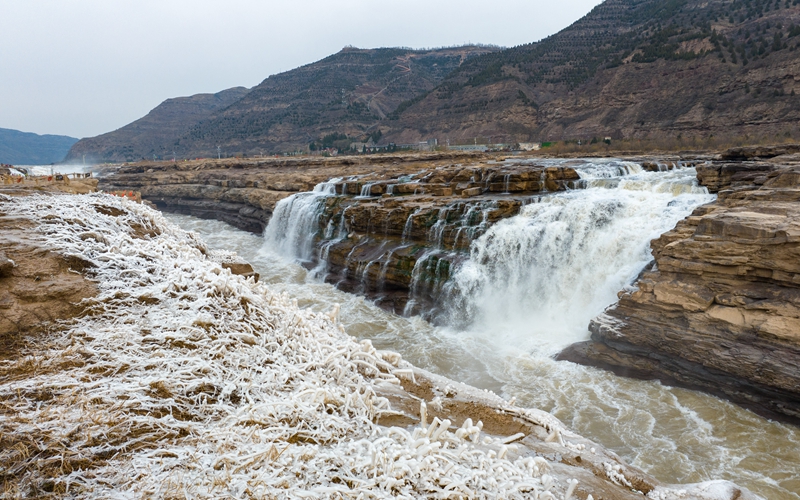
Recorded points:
(719,309)
(180,377)
(396,229)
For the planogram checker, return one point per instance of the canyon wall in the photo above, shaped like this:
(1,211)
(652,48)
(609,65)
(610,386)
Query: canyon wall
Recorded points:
(719,308)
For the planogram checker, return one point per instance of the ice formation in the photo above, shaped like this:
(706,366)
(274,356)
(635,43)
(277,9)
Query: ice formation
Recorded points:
(183,380)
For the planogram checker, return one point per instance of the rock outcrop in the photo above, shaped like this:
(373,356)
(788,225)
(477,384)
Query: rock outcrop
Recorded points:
(37,286)
(244,192)
(392,226)
(719,309)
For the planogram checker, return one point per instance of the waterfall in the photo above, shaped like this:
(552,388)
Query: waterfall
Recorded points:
(536,279)
(295,222)
(366,190)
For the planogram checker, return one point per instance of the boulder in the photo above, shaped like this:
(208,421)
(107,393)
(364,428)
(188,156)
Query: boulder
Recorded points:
(6,265)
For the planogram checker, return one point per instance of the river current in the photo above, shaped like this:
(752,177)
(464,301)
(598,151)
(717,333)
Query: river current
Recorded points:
(529,288)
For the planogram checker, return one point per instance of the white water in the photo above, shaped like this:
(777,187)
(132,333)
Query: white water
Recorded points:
(184,381)
(537,279)
(56,169)
(677,435)
(292,222)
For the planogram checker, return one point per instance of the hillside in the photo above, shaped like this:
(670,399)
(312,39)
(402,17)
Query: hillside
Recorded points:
(675,69)
(155,134)
(25,148)
(350,92)
(669,71)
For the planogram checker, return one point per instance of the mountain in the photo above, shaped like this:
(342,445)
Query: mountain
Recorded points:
(647,69)
(672,72)
(25,148)
(156,133)
(349,93)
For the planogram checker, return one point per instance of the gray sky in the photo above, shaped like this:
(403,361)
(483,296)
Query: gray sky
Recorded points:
(85,67)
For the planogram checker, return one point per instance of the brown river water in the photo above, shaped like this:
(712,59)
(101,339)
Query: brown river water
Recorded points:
(529,288)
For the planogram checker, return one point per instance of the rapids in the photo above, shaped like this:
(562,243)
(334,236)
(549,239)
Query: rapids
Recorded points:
(528,289)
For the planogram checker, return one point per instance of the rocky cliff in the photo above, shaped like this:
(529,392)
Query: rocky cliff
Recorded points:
(719,309)
(244,192)
(389,227)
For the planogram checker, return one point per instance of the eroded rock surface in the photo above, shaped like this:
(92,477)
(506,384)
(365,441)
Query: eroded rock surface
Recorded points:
(244,192)
(38,287)
(145,377)
(720,308)
(389,220)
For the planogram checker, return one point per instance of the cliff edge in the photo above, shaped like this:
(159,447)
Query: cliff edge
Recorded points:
(719,308)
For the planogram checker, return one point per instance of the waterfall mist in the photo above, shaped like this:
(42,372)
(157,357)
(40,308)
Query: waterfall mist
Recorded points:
(535,280)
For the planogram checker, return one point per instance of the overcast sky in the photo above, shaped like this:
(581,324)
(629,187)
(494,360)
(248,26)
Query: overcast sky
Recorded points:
(85,67)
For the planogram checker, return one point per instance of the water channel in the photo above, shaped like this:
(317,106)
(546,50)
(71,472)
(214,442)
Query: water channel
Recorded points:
(529,288)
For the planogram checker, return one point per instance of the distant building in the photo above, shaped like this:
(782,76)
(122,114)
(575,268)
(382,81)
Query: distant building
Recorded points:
(429,145)
(469,147)
(529,146)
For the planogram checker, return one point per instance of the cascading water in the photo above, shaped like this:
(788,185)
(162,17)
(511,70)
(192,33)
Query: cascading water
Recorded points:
(295,222)
(677,435)
(537,279)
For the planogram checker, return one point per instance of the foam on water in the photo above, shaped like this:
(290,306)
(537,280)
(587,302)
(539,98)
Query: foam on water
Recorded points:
(55,169)
(675,434)
(534,281)
(530,288)
(183,380)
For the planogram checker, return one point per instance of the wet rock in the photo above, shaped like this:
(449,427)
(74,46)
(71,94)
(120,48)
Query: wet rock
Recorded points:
(720,309)
(6,265)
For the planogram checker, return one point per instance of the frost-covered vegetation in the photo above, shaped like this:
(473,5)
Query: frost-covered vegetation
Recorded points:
(183,380)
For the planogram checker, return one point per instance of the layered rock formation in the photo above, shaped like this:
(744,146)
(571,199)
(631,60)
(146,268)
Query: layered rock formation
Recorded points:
(719,310)
(389,228)
(405,233)
(244,192)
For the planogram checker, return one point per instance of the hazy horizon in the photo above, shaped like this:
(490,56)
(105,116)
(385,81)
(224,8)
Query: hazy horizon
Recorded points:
(88,67)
